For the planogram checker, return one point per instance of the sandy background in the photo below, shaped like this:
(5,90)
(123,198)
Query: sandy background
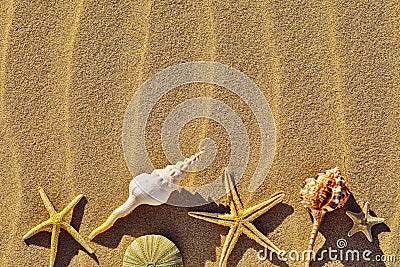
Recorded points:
(68,70)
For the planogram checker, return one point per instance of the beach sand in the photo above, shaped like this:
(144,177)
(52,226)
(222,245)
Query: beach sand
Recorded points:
(68,70)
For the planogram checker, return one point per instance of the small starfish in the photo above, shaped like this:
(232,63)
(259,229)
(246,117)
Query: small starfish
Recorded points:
(240,220)
(56,219)
(363,221)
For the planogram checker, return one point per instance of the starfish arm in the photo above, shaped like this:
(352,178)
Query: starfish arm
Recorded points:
(368,233)
(361,228)
(46,201)
(366,230)
(355,229)
(256,211)
(355,217)
(217,218)
(251,231)
(358,227)
(352,215)
(54,244)
(366,208)
(235,203)
(37,229)
(76,236)
(71,205)
(374,220)
(233,235)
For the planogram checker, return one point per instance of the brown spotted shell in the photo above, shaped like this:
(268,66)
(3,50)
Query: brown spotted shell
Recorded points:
(326,192)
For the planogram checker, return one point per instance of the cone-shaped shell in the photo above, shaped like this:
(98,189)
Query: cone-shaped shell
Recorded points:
(152,251)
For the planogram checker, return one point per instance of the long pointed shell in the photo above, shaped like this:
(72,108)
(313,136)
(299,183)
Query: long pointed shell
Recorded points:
(154,251)
(319,195)
(152,189)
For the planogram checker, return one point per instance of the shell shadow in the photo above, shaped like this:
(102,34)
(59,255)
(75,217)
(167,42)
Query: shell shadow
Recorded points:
(335,227)
(189,235)
(67,246)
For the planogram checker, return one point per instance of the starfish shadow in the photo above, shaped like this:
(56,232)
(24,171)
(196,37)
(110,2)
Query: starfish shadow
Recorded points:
(266,224)
(335,227)
(206,237)
(67,246)
(41,239)
(190,235)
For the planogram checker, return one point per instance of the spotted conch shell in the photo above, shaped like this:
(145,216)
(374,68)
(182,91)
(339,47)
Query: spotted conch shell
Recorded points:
(320,195)
(152,189)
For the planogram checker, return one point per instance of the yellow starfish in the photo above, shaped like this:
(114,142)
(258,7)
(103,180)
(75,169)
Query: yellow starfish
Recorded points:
(56,219)
(240,220)
(363,221)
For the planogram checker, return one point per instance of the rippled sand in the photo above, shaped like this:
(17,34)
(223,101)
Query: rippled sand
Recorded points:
(68,70)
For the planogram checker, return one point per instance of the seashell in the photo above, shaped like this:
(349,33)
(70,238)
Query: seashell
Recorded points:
(152,189)
(320,195)
(152,251)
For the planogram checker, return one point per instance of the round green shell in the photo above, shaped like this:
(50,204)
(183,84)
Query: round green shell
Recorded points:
(152,251)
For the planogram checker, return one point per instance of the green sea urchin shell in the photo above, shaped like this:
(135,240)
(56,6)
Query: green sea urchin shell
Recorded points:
(152,251)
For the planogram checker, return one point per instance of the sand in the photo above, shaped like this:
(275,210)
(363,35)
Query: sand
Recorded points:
(329,71)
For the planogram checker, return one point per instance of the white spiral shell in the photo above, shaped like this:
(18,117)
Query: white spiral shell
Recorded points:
(152,189)
(152,251)
(155,188)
